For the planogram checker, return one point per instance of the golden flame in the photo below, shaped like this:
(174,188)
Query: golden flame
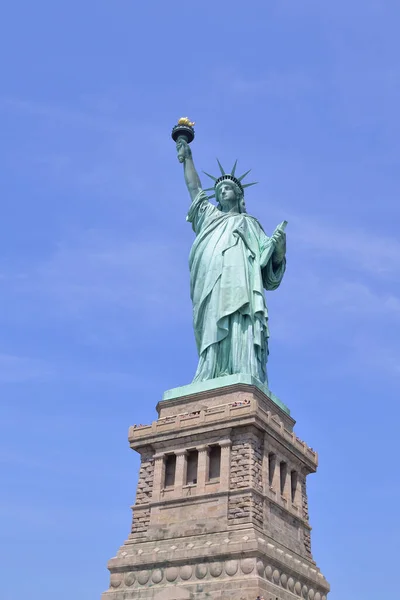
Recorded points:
(186,121)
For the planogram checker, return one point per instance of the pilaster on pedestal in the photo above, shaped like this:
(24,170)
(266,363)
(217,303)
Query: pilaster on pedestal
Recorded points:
(225,464)
(221,509)
(202,468)
(180,473)
(159,475)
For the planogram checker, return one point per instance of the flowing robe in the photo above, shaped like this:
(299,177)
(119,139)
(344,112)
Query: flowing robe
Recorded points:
(230,265)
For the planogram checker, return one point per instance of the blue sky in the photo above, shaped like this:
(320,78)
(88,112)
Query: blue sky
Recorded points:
(95,315)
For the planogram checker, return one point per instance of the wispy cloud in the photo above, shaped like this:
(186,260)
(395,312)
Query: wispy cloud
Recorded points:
(358,300)
(340,9)
(21,368)
(380,355)
(97,274)
(352,246)
(275,84)
(106,283)
(361,323)
(345,283)
(88,119)
(98,269)
(85,148)
(363,249)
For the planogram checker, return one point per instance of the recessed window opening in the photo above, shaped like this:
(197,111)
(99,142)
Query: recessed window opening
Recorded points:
(293,485)
(283,473)
(271,468)
(214,462)
(191,470)
(170,468)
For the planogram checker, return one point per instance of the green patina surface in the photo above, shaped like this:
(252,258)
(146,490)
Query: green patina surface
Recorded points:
(232,262)
(221,382)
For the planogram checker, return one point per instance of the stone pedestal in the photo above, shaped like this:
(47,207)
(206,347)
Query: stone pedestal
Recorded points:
(221,504)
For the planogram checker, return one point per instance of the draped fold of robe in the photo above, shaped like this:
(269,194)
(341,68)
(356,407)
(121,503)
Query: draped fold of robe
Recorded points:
(230,266)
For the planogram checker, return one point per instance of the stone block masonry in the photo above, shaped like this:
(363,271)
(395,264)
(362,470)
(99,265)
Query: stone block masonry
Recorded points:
(246,458)
(221,507)
(146,477)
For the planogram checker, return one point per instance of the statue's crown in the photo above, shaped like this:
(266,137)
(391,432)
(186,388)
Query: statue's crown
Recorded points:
(230,177)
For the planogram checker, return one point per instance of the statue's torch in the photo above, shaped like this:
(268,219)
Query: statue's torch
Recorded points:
(184,129)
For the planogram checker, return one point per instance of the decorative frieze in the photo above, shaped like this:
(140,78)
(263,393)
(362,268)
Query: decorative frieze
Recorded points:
(219,569)
(217,416)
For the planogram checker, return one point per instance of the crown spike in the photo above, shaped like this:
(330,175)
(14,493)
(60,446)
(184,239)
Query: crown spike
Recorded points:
(234,169)
(212,196)
(245,185)
(221,168)
(210,176)
(208,189)
(244,175)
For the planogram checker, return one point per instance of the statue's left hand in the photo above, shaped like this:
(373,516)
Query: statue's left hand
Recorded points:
(279,239)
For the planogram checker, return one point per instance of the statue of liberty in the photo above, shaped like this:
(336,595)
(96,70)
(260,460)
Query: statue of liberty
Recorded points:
(231,262)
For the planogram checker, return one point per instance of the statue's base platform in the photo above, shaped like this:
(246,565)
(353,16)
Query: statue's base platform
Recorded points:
(221,508)
(200,387)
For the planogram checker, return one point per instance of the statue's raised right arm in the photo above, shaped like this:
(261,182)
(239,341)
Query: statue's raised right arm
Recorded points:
(192,178)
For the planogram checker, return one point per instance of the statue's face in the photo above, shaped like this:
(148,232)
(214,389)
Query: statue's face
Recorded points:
(227,196)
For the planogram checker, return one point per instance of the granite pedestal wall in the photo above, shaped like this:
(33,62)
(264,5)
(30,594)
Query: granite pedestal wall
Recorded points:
(221,506)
